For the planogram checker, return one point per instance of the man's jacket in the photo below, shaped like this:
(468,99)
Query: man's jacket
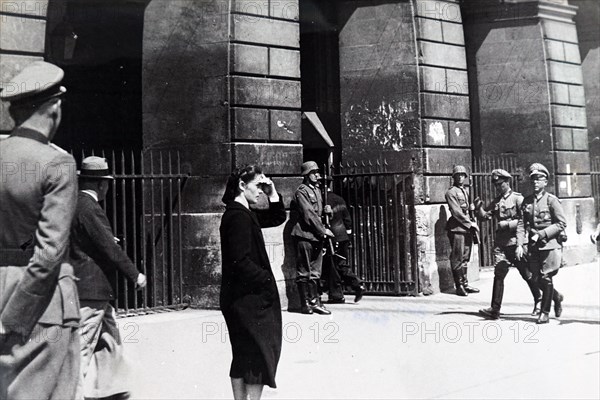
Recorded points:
(307,211)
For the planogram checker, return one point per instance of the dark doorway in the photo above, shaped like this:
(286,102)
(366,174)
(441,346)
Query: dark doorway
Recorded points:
(103,71)
(320,72)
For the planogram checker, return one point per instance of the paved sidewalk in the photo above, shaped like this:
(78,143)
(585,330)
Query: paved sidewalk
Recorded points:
(391,348)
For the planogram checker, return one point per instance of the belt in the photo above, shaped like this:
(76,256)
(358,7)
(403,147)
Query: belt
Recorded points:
(14,257)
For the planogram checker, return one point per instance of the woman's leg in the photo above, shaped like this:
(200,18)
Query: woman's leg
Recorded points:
(254,391)
(239,389)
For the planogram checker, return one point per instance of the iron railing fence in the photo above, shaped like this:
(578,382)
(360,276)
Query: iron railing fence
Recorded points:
(383,244)
(143,206)
(595,173)
(482,187)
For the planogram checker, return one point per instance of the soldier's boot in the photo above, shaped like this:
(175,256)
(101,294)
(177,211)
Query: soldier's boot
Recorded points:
(458,282)
(305,307)
(547,293)
(493,312)
(468,289)
(558,298)
(359,291)
(315,300)
(537,297)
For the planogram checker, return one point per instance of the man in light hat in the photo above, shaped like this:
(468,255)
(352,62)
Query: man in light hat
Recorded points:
(461,230)
(39,308)
(94,253)
(309,232)
(508,246)
(543,223)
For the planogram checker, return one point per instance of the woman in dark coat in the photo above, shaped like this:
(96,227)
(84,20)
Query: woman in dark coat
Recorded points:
(249,296)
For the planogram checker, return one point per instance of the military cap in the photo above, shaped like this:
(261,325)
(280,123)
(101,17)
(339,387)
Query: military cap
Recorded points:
(94,168)
(37,82)
(538,169)
(308,167)
(499,174)
(459,169)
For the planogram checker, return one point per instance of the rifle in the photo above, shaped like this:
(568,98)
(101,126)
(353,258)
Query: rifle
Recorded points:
(328,240)
(473,217)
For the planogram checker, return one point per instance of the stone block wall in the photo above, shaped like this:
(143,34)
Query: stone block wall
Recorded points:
(22,41)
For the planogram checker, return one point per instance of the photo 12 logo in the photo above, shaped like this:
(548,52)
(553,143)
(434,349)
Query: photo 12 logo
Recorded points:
(471,332)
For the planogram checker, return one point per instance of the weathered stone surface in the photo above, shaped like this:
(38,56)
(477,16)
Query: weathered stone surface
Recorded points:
(36,8)
(265,31)
(202,194)
(578,249)
(284,63)
(446,106)
(285,9)
(250,123)
(457,81)
(10,65)
(254,7)
(435,132)
(559,93)
(572,162)
(555,50)
(443,55)
(441,161)
(580,139)
(285,125)
(558,30)
(567,73)
(444,10)
(563,138)
(249,59)
(429,29)
(435,188)
(265,92)
(576,95)
(574,186)
(279,158)
(568,116)
(22,34)
(572,53)
(433,79)
(459,133)
(201,230)
(453,33)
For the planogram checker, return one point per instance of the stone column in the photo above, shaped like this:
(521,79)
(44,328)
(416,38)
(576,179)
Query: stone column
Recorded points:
(221,86)
(528,96)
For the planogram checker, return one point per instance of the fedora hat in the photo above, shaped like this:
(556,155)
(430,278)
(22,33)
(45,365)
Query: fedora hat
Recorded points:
(94,168)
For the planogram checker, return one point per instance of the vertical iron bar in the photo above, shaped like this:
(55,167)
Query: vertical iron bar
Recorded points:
(170,225)
(153,229)
(179,229)
(134,237)
(124,228)
(143,234)
(162,230)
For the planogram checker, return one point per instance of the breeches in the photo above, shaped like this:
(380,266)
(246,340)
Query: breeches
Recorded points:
(504,258)
(544,262)
(460,249)
(309,260)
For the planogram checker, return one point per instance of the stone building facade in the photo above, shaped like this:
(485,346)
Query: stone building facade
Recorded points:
(424,84)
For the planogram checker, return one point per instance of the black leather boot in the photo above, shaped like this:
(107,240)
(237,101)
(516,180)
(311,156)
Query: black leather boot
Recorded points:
(497,293)
(458,282)
(315,300)
(490,313)
(537,297)
(558,299)
(468,289)
(359,291)
(547,293)
(305,307)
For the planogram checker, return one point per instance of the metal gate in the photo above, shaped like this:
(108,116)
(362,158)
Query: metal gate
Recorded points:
(482,187)
(383,244)
(595,164)
(143,206)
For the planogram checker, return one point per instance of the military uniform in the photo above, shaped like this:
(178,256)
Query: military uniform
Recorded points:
(460,232)
(506,209)
(543,222)
(39,308)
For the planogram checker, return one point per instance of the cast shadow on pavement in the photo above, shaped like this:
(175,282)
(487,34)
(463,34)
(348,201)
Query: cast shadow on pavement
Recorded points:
(522,317)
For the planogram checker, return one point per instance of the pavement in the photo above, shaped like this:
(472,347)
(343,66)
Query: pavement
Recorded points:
(434,347)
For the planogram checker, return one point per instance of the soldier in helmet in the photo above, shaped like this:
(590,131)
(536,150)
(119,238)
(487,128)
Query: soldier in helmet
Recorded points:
(508,247)
(543,222)
(461,230)
(308,233)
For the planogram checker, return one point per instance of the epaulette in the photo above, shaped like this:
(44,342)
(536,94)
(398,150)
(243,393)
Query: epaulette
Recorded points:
(58,148)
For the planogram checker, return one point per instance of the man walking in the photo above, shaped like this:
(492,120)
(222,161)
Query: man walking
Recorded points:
(337,269)
(461,230)
(94,253)
(309,233)
(39,308)
(508,248)
(543,222)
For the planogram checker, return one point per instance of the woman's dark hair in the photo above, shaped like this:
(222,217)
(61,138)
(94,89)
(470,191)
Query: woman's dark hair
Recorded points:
(245,174)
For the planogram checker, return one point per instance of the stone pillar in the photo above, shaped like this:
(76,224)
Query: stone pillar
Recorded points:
(220,82)
(22,41)
(405,98)
(528,97)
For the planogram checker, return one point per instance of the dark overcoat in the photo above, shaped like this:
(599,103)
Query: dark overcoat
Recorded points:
(93,252)
(249,297)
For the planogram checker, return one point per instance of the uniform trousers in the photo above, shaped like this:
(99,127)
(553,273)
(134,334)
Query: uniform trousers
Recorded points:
(309,260)
(337,272)
(460,245)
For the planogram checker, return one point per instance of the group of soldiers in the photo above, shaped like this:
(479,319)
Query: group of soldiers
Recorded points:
(530,235)
(57,251)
